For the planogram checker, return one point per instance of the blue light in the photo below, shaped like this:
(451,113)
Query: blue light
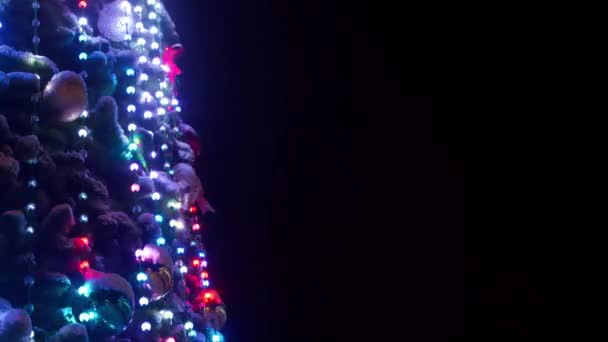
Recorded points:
(206,283)
(83,56)
(201,254)
(142,276)
(216,338)
(131,90)
(130,72)
(158,218)
(160,241)
(82,38)
(180,250)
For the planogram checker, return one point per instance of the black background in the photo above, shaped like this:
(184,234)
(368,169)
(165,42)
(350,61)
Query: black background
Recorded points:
(378,169)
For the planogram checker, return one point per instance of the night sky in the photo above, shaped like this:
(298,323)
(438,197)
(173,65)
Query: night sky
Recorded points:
(373,170)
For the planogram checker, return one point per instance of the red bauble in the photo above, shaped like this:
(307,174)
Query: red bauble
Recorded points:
(169,56)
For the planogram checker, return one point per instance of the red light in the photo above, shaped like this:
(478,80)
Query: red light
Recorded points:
(85,241)
(205,275)
(208,296)
(196,227)
(196,262)
(82,4)
(84,264)
(193,209)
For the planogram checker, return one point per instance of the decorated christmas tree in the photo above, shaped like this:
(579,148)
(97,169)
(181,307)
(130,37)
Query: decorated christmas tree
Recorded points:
(101,210)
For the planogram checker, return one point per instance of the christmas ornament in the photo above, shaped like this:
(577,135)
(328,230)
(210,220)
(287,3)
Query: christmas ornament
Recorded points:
(116,21)
(65,96)
(156,263)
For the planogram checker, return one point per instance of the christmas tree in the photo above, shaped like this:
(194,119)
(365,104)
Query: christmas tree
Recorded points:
(101,209)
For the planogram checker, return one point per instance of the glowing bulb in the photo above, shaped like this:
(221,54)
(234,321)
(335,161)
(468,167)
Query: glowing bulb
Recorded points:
(139,25)
(30,207)
(178,109)
(181,250)
(137,9)
(132,147)
(183,269)
(141,41)
(154,30)
(163,85)
(188,325)
(168,314)
(204,263)
(142,276)
(154,46)
(82,38)
(134,167)
(216,338)
(160,241)
(131,127)
(151,2)
(83,196)
(206,283)
(164,101)
(82,133)
(156,61)
(146,326)
(84,114)
(130,90)
(156,196)
(29,230)
(83,317)
(32,183)
(83,21)
(135,187)
(179,225)
(172,223)
(153,174)
(84,218)
(143,59)
(148,114)
(161,111)
(92,315)
(143,301)
(201,254)
(128,36)
(125,6)
(170,339)
(153,154)
(131,108)
(159,94)
(152,16)
(130,72)
(83,56)
(164,147)
(196,227)
(82,4)
(143,77)
(167,165)
(84,291)
(174,102)
(158,218)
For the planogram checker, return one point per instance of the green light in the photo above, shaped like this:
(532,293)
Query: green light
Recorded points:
(132,147)
(84,317)
(84,290)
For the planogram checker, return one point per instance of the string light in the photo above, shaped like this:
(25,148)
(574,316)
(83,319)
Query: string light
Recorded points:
(183,269)
(130,72)
(32,183)
(29,230)
(160,241)
(154,30)
(84,218)
(153,174)
(153,154)
(143,59)
(83,56)
(142,277)
(137,9)
(148,114)
(134,167)
(82,133)
(131,108)
(143,301)
(146,326)
(188,325)
(135,187)
(82,4)
(156,196)
(130,90)
(158,218)
(131,127)
(84,114)
(152,16)
(82,21)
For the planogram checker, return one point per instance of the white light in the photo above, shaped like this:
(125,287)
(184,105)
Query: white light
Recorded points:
(84,218)
(83,21)
(178,109)
(206,283)
(154,45)
(161,111)
(146,97)
(142,276)
(82,133)
(172,223)
(146,326)
(156,61)
(139,25)
(131,90)
(157,7)
(31,207)
(164,101)
(174,102)
(167,165)
(30,230)
(154,30)
(143,77)
(148,114)
(156,196)
(83,196)
(153,174)
(83,56)
(151,2)
(83,317)
(84,114)
(183,269)
(164,147)
(141,41)
(130,72)
(82,38)
(163,85)
(134,167)
(152,16)
(131,108)
(32,183)
(143,301)
(204,263)
(153,154)
(131,127)
(159,94)
(125,6)
(132,147)
(128,37)
(142,59)
(216,338)
(160,241)
(179,225)
(168,315)
(158,218)
(165,68)
(137,9)
(181,250)
(188,325)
